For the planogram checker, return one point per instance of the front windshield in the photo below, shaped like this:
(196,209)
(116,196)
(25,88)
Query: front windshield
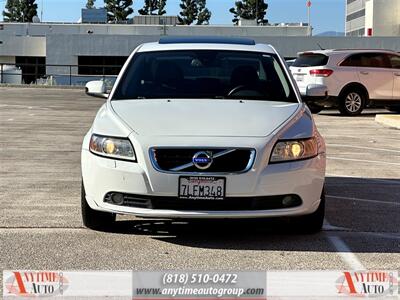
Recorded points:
(195,74)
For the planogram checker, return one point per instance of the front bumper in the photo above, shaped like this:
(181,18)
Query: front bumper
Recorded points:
(302,178)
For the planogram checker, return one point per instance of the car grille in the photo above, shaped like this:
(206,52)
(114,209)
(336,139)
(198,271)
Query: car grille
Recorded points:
(224,160)
(228,204)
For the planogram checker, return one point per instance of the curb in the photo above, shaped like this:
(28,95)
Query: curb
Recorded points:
(392,121)
(34,86)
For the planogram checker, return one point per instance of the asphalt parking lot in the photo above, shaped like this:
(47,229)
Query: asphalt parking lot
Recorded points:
(40,225)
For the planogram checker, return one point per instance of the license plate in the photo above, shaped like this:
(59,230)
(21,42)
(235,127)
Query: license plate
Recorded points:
(201,188)
(299,77)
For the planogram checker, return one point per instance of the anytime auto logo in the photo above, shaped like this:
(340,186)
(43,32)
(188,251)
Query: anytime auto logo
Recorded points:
(367,284)
(35,284)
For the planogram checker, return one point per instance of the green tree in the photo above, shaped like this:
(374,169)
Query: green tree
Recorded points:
(249,9)
(192,10)
(20,10)
(153,7)
(28,9)
(90,4)
(204,14)
(12,12)
(118,10)
(188,12)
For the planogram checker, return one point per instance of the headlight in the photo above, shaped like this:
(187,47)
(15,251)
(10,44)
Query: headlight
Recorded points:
(294,150)
(117,148)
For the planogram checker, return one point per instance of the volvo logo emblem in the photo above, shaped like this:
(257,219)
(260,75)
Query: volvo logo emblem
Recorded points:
(202,160)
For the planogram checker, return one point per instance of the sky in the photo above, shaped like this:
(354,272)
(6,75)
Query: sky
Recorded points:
(326,15)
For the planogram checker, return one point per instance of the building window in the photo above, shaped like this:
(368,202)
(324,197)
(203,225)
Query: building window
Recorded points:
(100,65)
(351,1)
(356,33)
(32,68)
(355,15)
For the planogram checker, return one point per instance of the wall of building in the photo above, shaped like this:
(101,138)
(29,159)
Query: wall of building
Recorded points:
(7,59)
(43,29)
(355,17)
(65,49)
(22,45)
(369,17)
(386,17)
(381,16)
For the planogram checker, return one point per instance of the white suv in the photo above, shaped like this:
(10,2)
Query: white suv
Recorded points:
(203,128)
(354,78)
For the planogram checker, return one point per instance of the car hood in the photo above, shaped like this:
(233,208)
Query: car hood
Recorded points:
(203,117)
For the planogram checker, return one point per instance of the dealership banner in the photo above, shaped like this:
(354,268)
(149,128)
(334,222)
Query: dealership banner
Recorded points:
(180,285)
(199,285)
(332,284)
(65,284)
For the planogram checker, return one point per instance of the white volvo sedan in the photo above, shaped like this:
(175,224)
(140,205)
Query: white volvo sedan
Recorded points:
(203,128)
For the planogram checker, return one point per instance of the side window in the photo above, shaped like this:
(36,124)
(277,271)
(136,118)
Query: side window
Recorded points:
(352,61)
(394,61)
(376,60)
(367,60)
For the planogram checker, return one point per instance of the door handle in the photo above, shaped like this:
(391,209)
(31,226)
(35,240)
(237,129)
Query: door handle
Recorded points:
(396,74)
(364,72)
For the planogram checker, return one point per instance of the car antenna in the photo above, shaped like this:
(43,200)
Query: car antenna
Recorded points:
(320,47)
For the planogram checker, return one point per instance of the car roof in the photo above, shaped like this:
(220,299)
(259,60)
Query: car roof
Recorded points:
(207,40)
(345,51)
(206,43)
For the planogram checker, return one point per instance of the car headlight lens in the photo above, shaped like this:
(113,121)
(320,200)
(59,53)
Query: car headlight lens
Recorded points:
(294,150)
(118,148)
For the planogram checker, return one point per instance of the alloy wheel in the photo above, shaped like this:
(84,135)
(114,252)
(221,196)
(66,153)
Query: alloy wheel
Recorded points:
(353,102)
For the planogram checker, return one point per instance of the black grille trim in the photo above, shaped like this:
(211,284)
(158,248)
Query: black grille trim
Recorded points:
(236,160)
(228,204)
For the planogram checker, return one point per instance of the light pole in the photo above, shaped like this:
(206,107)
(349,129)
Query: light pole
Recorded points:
(257,12)
(309,17)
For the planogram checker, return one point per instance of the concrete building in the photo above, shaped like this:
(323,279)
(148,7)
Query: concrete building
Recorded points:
(73,53)
(382,17)
(355,17)
(372,18)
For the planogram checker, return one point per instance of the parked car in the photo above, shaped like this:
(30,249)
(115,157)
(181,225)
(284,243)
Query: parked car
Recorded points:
(354,78)
(290,62)
(203,128)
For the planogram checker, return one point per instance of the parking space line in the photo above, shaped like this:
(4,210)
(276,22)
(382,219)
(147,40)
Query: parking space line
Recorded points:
(387,181)
(364,148)
(365,160)
(345,252)
(364,200)
(329,227)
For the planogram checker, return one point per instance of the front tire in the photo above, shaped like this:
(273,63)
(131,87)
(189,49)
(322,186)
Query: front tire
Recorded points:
(352,102)
(312,223)
(94,219)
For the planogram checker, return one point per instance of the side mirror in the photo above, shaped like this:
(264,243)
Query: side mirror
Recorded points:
(96,89)
(317,90)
